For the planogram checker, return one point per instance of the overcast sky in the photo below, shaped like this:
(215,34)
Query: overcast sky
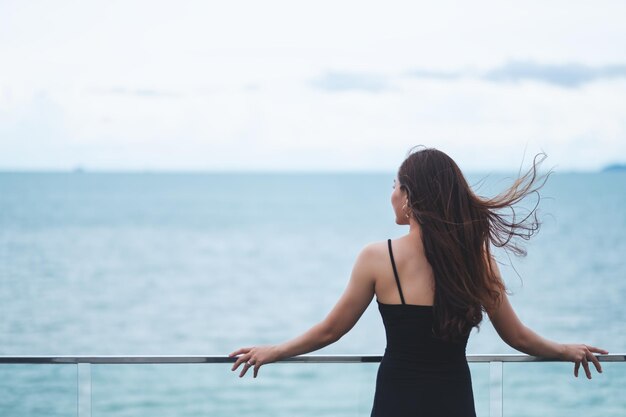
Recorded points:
(324,85)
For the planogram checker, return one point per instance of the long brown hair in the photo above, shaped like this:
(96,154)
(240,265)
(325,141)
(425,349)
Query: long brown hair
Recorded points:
(458,227)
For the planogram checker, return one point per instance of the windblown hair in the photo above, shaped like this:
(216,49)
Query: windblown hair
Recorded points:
(458,229)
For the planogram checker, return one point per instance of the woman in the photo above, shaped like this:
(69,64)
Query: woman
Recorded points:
(432,286)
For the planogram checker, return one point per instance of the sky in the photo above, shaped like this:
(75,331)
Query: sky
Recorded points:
(325,85)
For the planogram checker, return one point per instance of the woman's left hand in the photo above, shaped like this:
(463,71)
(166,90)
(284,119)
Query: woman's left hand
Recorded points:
(254,357)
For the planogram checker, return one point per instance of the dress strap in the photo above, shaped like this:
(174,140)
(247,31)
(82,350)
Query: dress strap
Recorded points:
(395,271)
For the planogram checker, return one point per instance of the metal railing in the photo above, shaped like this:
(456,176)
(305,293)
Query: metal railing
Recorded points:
(84,368)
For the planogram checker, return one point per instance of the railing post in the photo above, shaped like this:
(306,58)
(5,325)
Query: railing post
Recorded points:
(495,389)
(84,389)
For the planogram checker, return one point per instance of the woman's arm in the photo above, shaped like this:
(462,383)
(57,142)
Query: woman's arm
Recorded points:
(520,337)
(344,315)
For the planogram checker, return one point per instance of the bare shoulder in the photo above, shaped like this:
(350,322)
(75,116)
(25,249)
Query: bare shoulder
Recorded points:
(373,255)
(374,250)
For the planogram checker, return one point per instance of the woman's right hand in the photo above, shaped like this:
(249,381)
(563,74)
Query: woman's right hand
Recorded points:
(582,354)
(254,357)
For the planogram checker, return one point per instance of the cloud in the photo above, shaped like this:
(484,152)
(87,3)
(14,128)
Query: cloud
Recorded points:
(570,75)
(348,81)
(565,75)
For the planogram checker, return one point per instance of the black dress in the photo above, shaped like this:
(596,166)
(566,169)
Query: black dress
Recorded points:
(419,374)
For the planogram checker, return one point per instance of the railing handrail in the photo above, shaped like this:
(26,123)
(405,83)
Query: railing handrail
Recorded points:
(172,359)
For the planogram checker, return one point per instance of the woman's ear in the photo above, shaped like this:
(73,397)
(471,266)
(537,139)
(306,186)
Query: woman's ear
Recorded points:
(405,193)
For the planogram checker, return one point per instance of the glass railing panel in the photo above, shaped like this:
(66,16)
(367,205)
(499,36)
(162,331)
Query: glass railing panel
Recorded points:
(542,389)
(38,390)
(480,386)
(281,390)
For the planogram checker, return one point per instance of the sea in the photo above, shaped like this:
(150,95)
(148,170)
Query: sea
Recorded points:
(175,263)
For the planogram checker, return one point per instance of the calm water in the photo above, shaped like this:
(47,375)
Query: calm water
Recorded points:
(205,263)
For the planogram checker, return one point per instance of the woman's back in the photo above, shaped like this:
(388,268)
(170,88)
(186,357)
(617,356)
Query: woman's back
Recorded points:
(419,372)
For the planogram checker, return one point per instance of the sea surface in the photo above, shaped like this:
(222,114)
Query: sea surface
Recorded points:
(204,263)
